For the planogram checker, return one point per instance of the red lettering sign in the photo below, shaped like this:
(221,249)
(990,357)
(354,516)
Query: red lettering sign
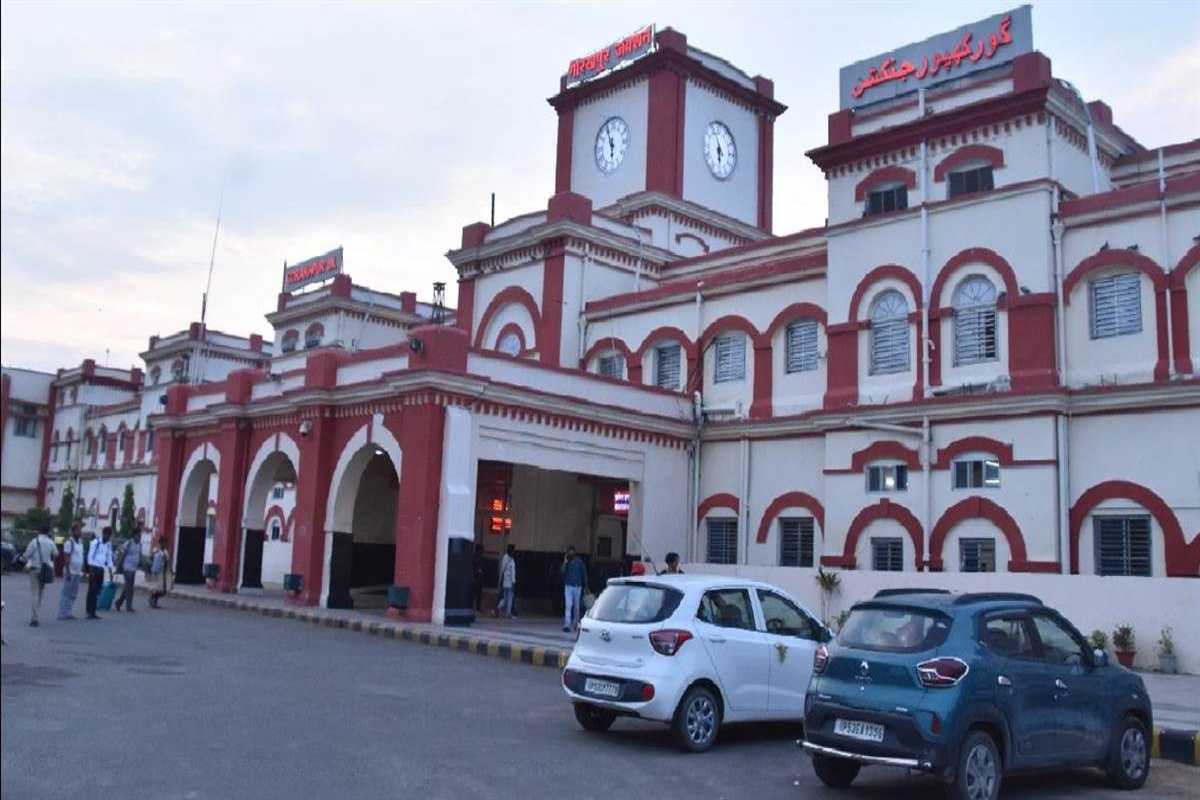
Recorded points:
(312,270)
(628,49)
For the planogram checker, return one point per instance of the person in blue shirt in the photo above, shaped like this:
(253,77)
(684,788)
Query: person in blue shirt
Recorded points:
(574,580)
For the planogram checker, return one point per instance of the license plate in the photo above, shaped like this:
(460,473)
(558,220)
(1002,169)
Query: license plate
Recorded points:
(857,729)
(605,688)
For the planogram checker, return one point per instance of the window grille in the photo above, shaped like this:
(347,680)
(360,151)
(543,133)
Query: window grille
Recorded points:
(802,345)
(796,541)
(722,541)
(612,366)
(731,358)
(1116,305)
(1122,545)
(667,361)
(889,333)
(969,181)
(974,321)
(887,555)
(977,555)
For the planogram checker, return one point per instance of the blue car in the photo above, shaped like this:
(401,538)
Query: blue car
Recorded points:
(971,687)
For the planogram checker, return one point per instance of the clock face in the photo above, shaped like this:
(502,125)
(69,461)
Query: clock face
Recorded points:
(611,143)
(719,150)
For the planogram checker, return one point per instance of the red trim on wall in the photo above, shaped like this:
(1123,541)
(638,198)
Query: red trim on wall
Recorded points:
(974,444)
(47,424)
(1182,557)
(978,508)
(464,317)
(662,334)
(563,156)
(509,294)
(549,336)
(766,170)
(888,174)
(880,273)
(664,132)
(605,344)
(719,500)
(790,500)
(515,329)
(887,450)
(841,366)
(971,152)
(884,509)
(1180,324)
(792,313)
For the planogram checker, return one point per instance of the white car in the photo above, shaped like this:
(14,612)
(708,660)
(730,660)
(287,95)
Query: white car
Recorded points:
(694,651)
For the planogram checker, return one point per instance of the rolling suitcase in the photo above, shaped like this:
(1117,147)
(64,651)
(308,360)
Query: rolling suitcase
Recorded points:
(107,592)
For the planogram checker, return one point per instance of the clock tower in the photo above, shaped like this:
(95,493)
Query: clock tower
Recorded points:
(651,114)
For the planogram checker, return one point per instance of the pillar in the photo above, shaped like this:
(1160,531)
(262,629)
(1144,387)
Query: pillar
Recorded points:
(421,435)
(842,365)
(313,476)
(233,442)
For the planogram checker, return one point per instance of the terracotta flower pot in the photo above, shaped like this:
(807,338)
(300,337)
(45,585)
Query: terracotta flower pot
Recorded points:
(1125,657)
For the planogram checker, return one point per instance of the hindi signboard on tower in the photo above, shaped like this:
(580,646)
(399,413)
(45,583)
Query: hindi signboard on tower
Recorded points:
(313,270)
(617,54)
(947,56)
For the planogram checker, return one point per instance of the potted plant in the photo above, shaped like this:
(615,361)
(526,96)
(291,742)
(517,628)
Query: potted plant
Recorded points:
(830,583)
(1123,643)
(1166,651)
(1099,640)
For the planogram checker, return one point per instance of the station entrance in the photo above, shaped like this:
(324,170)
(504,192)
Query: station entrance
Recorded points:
(541,513)
(363,544)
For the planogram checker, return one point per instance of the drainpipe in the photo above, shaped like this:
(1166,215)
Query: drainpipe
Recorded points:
(926,461)
(1062,445)
(925,354)
(698,417)
(1166,258)
(583,323)
(744,495)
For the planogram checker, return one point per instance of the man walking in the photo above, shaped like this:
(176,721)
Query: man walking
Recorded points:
(131,559)
(574,579)
(508,582)
(39,561)
(72,572)
(99,559)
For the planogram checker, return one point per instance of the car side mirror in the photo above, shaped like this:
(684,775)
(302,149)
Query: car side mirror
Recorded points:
(1099,658)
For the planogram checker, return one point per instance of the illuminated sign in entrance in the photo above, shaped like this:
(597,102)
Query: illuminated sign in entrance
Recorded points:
(629,49)
(312,270)
(980,45)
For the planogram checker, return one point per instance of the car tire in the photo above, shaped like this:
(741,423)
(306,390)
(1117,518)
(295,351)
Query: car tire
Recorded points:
(1129,759)
(836,773)
(593,718)
(980,770)
(697,719)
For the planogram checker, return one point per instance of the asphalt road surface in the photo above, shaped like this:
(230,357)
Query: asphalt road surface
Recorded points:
(197,702)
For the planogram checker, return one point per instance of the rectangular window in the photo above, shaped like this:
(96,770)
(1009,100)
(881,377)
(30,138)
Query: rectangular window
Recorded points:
(1122,545)
(887,555)
(796,541)
(887,478)
(722,541)
(889,346)
(103,442)
(730,353)
(150,441)
(612,366)
(977,555)
(25,422)
(969,181)
(974,335)
(667,361)
(882,201)
(1116,305)
(983,473)
(802,346)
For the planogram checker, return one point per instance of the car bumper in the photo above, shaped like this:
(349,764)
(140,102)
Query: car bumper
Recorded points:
(661,708)
(904,744)
(864,758)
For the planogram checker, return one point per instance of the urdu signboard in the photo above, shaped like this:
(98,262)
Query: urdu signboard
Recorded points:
(977,46)
(313,270)
(617,54)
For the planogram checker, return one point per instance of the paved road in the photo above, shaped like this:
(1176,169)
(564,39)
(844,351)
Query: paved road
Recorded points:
(196,702)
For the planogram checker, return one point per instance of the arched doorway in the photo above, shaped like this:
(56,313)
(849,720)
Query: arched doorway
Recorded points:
(272,482)
(362,538)
(192,545)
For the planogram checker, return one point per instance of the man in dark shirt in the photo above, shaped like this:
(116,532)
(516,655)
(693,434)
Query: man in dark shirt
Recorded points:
(574,580)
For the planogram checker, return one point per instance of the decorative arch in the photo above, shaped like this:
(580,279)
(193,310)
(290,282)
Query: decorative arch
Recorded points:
(881,273)
(255,490)
(190,482)
(790,500)
(982,508)
(273,513)
(884,509)
(794,312)
(515,330)
(1114,258)
(1180,323)
(313,335)
(729,322)
(344,482)
(1182,557)
(605,344)
(888,174)
(974,444)
(967,153)
(665,333)
(718,500)
(509,294)
(889,450)
(965,258)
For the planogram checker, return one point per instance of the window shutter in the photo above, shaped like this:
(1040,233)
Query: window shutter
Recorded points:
(1122,545)
(802,345)
(731,358)
(977,555)
(666,366)
(1116,305)
(887,555)
(722,541)
(889,346)
(796,536)
(612,366)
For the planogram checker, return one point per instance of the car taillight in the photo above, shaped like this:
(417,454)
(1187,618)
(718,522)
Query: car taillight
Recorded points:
(568,676)
(942,672)
(668,641)
(820,660)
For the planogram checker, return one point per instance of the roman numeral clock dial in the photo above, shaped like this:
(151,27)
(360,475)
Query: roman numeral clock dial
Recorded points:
(720,153)
(611,143)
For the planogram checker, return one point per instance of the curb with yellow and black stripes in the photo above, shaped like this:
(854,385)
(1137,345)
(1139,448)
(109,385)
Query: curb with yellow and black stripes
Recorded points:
(1176,745)
(533,655)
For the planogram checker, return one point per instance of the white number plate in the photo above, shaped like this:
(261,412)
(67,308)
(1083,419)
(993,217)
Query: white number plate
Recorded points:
(856,729)
(606,688)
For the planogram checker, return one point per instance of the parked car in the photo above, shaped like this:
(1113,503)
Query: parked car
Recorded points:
(971,687)
(693,651)
(8,553)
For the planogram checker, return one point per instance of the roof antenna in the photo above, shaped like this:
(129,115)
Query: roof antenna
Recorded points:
(493,209)
(198,373)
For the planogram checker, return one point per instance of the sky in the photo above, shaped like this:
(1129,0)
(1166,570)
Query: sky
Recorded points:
(384,128)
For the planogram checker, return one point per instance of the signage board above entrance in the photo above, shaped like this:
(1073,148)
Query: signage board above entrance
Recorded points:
(947,56)
(313,270)
(617,54)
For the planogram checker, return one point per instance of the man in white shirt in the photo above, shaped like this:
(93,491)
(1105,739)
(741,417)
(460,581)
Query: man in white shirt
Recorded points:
(508,582)
(99,559)
(40,553)
(72,572)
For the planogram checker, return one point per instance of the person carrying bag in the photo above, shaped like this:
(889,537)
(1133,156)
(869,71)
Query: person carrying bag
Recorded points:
(99,559)
(39,559)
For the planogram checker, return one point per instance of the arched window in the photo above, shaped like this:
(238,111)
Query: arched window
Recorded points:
(289,341)
(509,344)
(801,346)
(889,333)
(974,321)
(89,443)
(54,449)
(155,375)
(121,440)
(178,369)
(103,441)
(313,335)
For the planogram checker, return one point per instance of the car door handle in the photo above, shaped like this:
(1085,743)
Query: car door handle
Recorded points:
(717,639)
(1003,680)
(1059,685)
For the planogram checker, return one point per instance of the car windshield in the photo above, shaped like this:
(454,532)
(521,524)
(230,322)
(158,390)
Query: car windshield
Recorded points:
(635,603)
(896,630)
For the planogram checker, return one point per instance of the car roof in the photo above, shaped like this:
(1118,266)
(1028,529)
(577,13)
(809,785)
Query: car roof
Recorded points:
(695,581)
(949,602)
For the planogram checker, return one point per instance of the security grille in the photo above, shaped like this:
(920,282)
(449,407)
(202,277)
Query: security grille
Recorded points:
(612,366)
(1116,305)
(1122,545)
(977,555)
(802,345)
(887,555)
(796,541)
(974,321)
(889,334)
(731,358)
(667,360)
(969,181)
(722,541)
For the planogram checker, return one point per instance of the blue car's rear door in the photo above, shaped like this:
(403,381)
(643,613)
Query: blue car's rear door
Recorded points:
(1078,692)
(1024,688)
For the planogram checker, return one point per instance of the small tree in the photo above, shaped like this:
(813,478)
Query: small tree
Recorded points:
(26,526)
(128,513)
(66,511)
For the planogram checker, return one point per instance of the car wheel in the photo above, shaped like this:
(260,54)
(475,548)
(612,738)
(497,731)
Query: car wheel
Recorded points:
(697,719)
(979,769)
(1129,761)
(593,718)
(836,773)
